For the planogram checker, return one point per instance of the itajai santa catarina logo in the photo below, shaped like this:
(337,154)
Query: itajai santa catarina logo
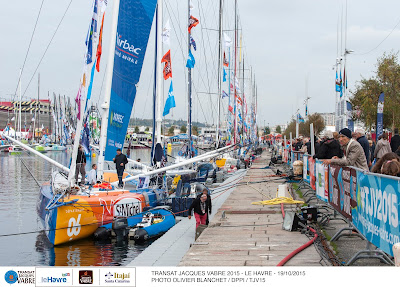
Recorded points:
(116,119)
(11,277)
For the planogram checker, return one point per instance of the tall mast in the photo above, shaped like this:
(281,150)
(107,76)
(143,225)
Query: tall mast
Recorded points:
(20,99)
(107,94)
(189,125)
(159,70)
(243,116)
(234,73)
(155,90)
(219,73)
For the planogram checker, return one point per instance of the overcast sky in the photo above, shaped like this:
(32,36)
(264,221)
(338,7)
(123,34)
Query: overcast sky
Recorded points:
(285,42)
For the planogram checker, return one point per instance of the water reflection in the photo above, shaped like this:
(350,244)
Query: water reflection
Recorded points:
(87,252)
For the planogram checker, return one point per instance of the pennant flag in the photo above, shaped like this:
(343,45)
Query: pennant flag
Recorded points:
(230,108)
(226,63)
(231,88)
(192,23)
(224,78)
(344,76)
(91,34)
(166,33)
(192,42)
(13,119)
(338,84)
(306,111)
(170,102)
(99,47)
(167,68)
(78,102)
(91,82)
(239,100)
(190,61)
(300,119)
(224,94)
(228,41)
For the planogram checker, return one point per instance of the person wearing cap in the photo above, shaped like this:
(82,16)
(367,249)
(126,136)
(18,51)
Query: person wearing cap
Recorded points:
(352,150)
(360,136)
(120,162)
(80,165)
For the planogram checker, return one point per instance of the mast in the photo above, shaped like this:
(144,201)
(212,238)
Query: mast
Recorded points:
(107,94)
(234,73)
(189,125)
(219,73)
(155,89)
(20,99)
(158,66)
(243,116)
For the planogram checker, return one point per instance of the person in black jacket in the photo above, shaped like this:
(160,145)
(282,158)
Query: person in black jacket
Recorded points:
(205,191)
(80,166)
(316,146)
(395,142)
(120,162)
(329,147)
(362,140)
(200,208)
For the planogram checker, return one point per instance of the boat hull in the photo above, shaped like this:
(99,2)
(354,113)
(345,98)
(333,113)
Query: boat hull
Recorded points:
(80,215)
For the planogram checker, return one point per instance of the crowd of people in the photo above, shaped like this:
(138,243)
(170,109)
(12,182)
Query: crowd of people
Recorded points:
(347,148)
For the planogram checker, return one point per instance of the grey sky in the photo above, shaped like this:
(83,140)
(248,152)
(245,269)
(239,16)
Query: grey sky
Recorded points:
(285,42)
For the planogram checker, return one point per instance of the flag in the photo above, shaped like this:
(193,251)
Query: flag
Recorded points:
(300,119)
(306,111)
(379,123)
(231,88)
(192,42)
(99,47)
(227,40)
(91,34)
(338,84)
(170,102)
(192,23)
(237,86)
(89,93)
(78,102)
(224,78)
(166,33)
(226,63)
(190,61)
(344,77)
(42,127)
(224,94)
(85,136)
(167,68)
(230,108)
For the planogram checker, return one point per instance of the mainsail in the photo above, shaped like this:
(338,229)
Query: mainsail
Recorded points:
(134,24)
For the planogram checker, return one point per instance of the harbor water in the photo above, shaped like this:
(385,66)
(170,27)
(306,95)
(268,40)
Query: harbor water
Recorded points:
(22,239)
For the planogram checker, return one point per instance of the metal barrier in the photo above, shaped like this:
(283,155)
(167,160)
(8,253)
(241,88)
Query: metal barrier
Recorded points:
(368,201)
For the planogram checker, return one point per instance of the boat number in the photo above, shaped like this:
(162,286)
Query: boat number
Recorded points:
(74,226)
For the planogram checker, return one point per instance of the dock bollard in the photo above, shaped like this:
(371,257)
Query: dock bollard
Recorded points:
(396,254)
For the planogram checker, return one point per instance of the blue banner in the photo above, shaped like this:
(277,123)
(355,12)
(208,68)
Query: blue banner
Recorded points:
(134,24)
(350,122)
(379,122)
(376,215)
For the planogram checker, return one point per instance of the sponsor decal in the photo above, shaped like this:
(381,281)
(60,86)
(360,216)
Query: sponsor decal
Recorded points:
(118,278)
(85,277)
(116,119)
(127,207)
(53,277)
(124,46)
(11,277)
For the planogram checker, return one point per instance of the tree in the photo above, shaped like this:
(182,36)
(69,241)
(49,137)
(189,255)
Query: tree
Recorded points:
(291,128)
(195,130)
(365,97)
(147,129)
(278,129)
(136,129)
(318,122)
(171,131)
(267,130)
(183,129)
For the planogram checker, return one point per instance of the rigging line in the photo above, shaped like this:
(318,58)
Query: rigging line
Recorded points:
(361,54)
(48,46)
(27,52)
(102,82)
(205,57)
(201,107)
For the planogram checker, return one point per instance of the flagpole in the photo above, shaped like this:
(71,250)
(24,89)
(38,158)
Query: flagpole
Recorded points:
(107,94)
(219,73)
(234,90)
(189,125)
(158,67)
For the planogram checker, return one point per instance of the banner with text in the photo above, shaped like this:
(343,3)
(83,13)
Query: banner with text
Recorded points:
(321,180)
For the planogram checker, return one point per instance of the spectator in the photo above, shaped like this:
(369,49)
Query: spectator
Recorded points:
(353,152)
(329,147)
(377,168)
(304,147)
(298,145)
(395,142)
(371,150)
(360,136)
(391,167)
(336,135)
(316,146)
(382,147)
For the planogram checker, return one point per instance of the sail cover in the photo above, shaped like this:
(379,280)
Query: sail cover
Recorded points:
(134,24)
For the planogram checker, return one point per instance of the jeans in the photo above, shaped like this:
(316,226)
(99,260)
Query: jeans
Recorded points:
(120,173)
